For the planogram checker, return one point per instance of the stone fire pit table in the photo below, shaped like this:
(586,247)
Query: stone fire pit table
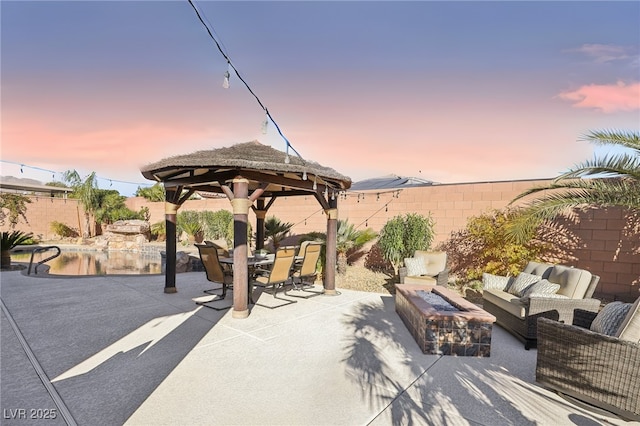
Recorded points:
(453,326)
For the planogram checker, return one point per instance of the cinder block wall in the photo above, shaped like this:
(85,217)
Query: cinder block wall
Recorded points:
(43,210)
(604,241)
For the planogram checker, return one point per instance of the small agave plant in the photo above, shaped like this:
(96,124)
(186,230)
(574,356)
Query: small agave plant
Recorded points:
(8,241)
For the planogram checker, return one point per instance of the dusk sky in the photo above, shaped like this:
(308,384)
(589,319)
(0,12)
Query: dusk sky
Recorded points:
(446,91)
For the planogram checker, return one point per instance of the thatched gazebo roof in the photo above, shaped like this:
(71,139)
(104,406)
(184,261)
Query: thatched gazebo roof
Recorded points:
(261,164)
(247,174)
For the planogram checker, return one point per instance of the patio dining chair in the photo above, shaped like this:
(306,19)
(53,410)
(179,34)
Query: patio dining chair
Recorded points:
(215,273)
(305,273)
(228,269)
(278,276)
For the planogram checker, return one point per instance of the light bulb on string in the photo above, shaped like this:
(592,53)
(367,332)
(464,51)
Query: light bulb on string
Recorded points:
(304,175)
(265,125)
(21,165)
(315,183)
(227,74)
(333,195)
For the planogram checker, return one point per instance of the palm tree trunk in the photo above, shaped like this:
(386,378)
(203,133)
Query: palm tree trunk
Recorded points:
(342,263)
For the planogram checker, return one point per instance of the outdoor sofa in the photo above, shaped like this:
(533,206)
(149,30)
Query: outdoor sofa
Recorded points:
(598,368)
(540,290)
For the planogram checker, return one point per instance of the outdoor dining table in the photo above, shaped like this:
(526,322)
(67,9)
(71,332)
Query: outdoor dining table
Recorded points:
(252,263)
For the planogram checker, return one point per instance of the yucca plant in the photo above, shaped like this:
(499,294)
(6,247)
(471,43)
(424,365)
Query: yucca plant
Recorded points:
(8,241)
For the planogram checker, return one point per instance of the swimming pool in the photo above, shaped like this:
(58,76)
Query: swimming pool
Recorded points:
(96,262)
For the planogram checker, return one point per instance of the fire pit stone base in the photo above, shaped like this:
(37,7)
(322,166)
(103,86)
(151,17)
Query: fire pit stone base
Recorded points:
(462,332)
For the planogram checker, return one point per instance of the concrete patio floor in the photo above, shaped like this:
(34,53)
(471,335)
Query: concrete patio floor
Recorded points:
(116,350)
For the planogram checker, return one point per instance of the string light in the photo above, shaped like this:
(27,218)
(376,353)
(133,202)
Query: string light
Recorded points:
(265,124)
(54,173)
(304,175)
(315,183)
(225,82)
(237,73)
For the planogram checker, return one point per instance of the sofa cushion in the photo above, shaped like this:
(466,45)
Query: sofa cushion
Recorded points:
(435,261)
(495,282)
(415,266)
(422,280)
(506,301)
(610,318)
(630,327)
(521,283)
(541,288)
(573,281)
(537,268)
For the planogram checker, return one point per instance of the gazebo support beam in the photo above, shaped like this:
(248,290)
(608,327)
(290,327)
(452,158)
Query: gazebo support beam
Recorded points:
(240,204)
(331,253)
(171,206)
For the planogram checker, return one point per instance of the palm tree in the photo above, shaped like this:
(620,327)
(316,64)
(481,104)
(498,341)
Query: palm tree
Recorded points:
(615,182)
(276,230)
(87,192)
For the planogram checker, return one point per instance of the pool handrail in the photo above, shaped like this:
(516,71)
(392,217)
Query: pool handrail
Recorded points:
(40,250)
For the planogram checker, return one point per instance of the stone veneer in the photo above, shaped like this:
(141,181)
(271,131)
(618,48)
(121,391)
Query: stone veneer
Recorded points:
(466,332)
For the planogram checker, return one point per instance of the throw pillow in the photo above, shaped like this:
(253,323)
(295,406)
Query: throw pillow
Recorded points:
(495,282)
(522,282)
(630,327)
(542,287)
(610,318)
(415,266)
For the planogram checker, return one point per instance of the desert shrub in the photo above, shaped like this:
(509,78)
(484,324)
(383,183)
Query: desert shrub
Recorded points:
(216,224)
(159,231)
(402,235)
(483,246)
(62,230)
(13,207)
(376,262)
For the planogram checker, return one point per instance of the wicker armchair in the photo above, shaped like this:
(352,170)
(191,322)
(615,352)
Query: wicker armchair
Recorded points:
(601,370)
(435,271)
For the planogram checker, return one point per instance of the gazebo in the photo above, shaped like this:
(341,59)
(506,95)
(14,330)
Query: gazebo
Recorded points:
(252,176)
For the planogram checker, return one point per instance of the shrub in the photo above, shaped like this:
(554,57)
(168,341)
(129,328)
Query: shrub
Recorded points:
(9,240)
(376,262)
(16,206)
(483,246)
(159,231)
(402,235)
(62,230)
(216,224)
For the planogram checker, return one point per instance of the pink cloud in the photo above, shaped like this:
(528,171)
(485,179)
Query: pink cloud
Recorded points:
(606,98)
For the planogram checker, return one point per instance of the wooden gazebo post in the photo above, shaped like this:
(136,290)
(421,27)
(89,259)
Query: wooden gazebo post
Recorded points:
(170,217)
(246,173)
(240,203)
(261,214)
(331,256)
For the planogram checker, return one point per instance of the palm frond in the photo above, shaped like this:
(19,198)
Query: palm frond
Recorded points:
(628,139)
(609,165)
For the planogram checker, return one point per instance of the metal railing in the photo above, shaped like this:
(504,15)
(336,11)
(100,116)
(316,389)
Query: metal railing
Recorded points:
(42,250)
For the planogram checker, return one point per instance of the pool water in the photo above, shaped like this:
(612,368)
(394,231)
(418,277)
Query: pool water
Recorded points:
(96,262)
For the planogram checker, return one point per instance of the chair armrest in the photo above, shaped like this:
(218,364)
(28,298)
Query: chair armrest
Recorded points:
(564,308)
(582,318)
(443,278)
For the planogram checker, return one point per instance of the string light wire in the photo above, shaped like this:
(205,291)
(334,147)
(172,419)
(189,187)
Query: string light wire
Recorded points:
(218,44)
(54,173)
